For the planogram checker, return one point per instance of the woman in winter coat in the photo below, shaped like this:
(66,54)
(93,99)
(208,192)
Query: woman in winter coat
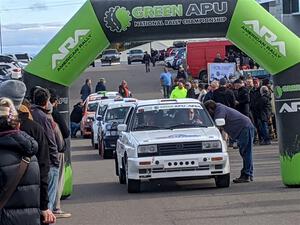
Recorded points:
(23,205)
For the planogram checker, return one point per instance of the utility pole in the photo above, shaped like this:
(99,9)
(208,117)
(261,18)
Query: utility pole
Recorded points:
(1,48)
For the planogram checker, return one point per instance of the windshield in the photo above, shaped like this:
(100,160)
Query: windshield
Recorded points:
(22,56)
(101,110)
(92,107)
(109,52)
(136,52)
(117,114)
(174,116)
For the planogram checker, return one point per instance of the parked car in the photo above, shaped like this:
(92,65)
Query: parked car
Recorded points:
(22,57)
(7,59)
(14,68)
(4,75)
(171,140)
(135,55)
(116,113)
(110,56)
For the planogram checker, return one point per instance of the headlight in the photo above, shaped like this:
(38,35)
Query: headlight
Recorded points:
(211,145)
(107,133)
(108,127)
(147,149)
(89,120)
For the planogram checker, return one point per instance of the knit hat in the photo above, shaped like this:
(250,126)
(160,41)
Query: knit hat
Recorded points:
(14,90)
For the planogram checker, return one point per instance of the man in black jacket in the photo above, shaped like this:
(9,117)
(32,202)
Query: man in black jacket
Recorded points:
(15,90)
(243,98)
(254,100)
(65,132)
(147,60)
(224,95)
(41,98)
(264,110)
(100,85)
(75,118)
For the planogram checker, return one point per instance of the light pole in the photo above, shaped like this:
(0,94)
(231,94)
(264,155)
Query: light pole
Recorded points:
(1,37)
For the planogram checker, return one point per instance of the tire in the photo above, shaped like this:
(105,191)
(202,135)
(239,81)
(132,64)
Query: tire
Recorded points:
(100,148)
(222,181)
(116,165)
(122,175)
(133,186)
(96,146)
(129,62)
(93,142)
(203,76)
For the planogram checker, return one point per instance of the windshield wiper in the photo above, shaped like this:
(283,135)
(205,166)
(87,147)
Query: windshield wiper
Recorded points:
(185,126)
(148,127)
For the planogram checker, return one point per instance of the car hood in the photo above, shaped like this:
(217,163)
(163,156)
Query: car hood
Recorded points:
(178,135)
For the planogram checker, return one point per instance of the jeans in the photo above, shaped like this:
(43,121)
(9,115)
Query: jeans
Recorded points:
(147,64)
(75,127)
(61,181)
(245,144)
(52,186)
(264,131)
(166,90)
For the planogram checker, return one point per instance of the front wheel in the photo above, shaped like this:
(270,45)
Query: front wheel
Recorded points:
(222,181)
(133,186)
(116,165)
(122,174)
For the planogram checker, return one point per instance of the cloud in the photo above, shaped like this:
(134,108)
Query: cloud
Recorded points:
(38,6)
(32,26)
(28,37)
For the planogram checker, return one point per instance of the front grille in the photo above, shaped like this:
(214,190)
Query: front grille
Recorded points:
(183,149)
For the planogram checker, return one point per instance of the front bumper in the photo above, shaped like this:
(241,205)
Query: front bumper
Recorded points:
(179,166)
(110,142)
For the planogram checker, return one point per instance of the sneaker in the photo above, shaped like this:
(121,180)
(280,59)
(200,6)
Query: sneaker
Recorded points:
(242,179)
(61,214)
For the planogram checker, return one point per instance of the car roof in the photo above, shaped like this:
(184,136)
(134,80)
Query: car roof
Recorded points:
(124,102)
(98,96)
(166,101)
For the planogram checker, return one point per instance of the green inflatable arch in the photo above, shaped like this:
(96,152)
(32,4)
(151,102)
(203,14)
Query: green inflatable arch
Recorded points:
(244,22)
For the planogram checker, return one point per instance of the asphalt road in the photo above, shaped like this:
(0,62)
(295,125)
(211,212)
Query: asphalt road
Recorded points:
(143,85)
(99,199)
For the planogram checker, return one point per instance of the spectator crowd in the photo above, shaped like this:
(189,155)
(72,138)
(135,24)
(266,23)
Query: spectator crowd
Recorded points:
(33,138)
(250,96)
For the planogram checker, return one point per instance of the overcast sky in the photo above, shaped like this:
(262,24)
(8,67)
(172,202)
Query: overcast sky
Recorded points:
(27,25)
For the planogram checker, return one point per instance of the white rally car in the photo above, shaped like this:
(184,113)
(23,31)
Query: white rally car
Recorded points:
(171,139)
(116,113)
(98,117)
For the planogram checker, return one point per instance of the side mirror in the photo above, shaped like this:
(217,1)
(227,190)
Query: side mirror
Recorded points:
(122,127)
(220,122)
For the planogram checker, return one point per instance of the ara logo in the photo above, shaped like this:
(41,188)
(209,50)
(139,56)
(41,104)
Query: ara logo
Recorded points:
(268,35)
(293,107)
(69,44)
